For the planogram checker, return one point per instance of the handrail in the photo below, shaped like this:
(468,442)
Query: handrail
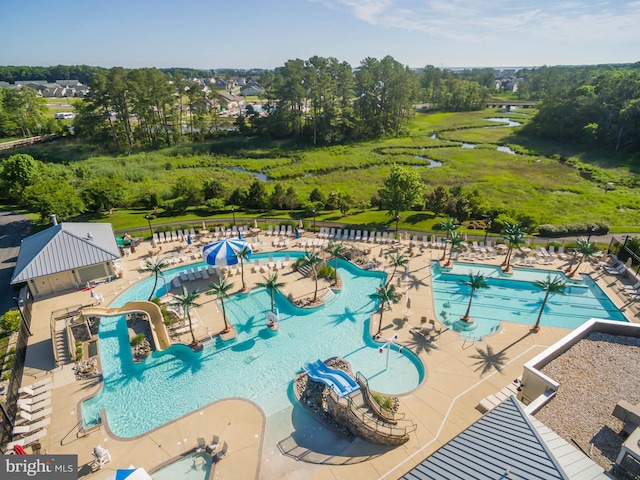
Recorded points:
(380,411)
(371,422)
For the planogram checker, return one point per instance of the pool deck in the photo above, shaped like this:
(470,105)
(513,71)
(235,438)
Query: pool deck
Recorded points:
(459,374)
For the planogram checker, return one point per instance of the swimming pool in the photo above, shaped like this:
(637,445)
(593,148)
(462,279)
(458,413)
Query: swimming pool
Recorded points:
(258,365)
(515,298)
(195,466)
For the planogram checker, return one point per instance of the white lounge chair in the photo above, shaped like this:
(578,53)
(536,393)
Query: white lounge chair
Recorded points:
(23,442)
(31,427)
(32,417)
(35,399)
(35,407)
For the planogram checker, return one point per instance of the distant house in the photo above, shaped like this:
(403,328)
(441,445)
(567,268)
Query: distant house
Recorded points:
(66,257)
(227,101)
(220,84)
(252,89)
(4,84)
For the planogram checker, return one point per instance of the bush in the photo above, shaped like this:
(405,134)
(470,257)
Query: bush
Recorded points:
(593,228)
(10,321)
(327,271)
(138,339)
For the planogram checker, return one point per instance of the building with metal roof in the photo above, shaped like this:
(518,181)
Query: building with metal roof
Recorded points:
(507,444)
(66,256)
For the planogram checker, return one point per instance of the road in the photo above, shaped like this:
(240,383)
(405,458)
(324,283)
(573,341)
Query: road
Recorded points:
(13,228)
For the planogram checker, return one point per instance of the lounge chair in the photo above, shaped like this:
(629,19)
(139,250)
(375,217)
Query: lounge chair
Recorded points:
(213,445)
(34,407)
(32,417)
(631,288)
(31,427)
(23,442)
(37,387)
(35,399)
(202,445)
(176,282)
(224,451)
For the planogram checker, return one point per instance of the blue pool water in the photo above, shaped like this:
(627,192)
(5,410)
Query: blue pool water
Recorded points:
(196,466)
(258,365)
(515,298)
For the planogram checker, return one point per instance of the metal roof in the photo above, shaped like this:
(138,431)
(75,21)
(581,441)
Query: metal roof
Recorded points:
(503,445)
(64,247)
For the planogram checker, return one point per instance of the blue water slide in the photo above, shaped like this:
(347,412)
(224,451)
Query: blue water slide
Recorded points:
(339,380)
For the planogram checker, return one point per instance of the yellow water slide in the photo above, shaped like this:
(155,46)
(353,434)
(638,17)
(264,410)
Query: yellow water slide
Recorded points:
(158,328)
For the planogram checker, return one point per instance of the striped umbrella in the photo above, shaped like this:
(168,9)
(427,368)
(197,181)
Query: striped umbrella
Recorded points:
(223,252)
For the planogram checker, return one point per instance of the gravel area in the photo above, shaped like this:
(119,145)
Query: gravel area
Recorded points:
(594,375)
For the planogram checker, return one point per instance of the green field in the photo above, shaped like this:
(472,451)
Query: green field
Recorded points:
(551,183)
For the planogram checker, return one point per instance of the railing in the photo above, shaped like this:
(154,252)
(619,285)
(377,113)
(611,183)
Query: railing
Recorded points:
(372,423)
(330,295)
(385,414)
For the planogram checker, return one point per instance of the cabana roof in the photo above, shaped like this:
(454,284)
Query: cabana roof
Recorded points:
(64,247)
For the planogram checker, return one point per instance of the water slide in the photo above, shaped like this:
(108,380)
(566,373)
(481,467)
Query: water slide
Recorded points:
(339,380)
(158,328)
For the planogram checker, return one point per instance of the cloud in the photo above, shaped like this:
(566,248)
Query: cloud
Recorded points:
(477,20)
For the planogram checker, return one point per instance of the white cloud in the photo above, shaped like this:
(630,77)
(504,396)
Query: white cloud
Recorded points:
(480,20)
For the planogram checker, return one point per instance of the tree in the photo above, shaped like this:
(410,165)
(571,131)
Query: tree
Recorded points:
(187,301)
(291,198)
(386,295)
(105,194)
(53,196)
(23,112)
(475,282)
(221,289)
(550,287)
(214,188)
(449,225)
(514,237)
(10,321)
(271,284)
(19,171)
(278,198)
(436,200)
(396,260)
(585,249)
(155,265)
(312,259)
(243,254)
(257,196)
(317,196)
(336,250)
(455,240)
(401,190)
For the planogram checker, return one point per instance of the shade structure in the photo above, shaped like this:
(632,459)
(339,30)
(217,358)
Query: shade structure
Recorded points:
(130,474)
(223,252)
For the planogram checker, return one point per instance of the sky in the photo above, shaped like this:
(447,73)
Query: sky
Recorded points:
(211,34)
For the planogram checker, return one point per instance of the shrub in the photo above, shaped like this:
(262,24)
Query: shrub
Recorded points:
(10,321)
(138,339)
(593,228)
(327,271)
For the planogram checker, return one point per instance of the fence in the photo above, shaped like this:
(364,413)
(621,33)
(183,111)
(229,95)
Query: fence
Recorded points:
(620,249)
(10,410)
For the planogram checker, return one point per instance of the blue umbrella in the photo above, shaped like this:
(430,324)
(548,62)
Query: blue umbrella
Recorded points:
(223,252)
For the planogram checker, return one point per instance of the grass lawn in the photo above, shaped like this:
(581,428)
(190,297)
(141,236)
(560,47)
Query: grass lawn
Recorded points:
(551,182)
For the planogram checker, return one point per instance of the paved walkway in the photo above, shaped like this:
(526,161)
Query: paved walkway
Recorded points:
(290,444)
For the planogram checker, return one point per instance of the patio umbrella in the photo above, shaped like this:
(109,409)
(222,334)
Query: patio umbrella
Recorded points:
(130,474)
(222,252)
(300,224)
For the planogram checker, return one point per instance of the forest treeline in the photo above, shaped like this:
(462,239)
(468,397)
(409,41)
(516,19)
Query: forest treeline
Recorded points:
(326,101)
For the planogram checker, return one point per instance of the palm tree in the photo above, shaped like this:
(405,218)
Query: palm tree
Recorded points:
(385,294)
(312,259)
(449,225)
(455,240)
(396,260)
(271,284)
(243,254)
(336,250)
(221,289)
(585,249)
(550,287)
(186,301)
(155,265)
(475,282)
(515,238)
